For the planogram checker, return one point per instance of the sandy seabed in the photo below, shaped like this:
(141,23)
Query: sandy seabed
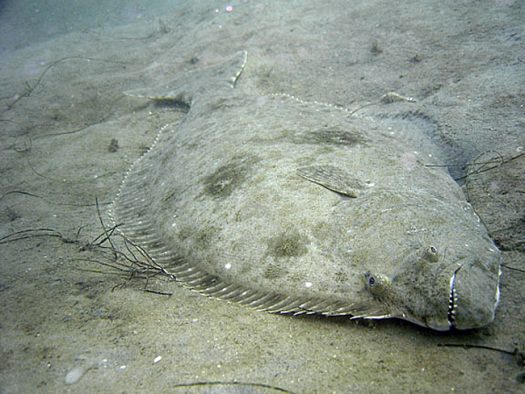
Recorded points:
(68,135)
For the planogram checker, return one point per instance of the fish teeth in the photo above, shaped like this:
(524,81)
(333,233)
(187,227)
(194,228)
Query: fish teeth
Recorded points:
(452,301)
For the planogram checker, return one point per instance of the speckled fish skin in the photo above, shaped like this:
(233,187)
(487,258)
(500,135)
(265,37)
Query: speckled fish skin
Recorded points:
(296,207)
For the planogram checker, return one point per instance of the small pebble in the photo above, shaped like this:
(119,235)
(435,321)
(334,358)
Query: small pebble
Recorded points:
(74,375)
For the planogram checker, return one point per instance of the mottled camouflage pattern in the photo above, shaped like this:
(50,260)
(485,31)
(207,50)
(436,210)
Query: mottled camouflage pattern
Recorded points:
(291,206)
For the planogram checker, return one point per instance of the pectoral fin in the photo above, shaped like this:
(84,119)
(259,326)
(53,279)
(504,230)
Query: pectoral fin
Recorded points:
(332,178)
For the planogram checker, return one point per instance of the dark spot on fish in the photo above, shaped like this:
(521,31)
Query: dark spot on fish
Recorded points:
(287,245)
(179,104)
(228,177)
(196,239)
(204,237)
(376,48)
(330,137)
(340,277)
(113,145)
(275,271)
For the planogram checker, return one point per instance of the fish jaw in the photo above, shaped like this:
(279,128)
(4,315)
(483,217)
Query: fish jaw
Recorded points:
(474,294)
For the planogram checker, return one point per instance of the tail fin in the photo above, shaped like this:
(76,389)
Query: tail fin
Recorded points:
(182,89)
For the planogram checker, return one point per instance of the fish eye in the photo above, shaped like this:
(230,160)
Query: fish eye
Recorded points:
(378,284)
(370,280)
(431,254)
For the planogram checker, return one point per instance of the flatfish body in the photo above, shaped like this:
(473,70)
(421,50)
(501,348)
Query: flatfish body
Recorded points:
(297,207)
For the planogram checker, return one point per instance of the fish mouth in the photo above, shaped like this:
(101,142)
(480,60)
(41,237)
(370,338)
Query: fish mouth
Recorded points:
(452,300)
(473,295)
